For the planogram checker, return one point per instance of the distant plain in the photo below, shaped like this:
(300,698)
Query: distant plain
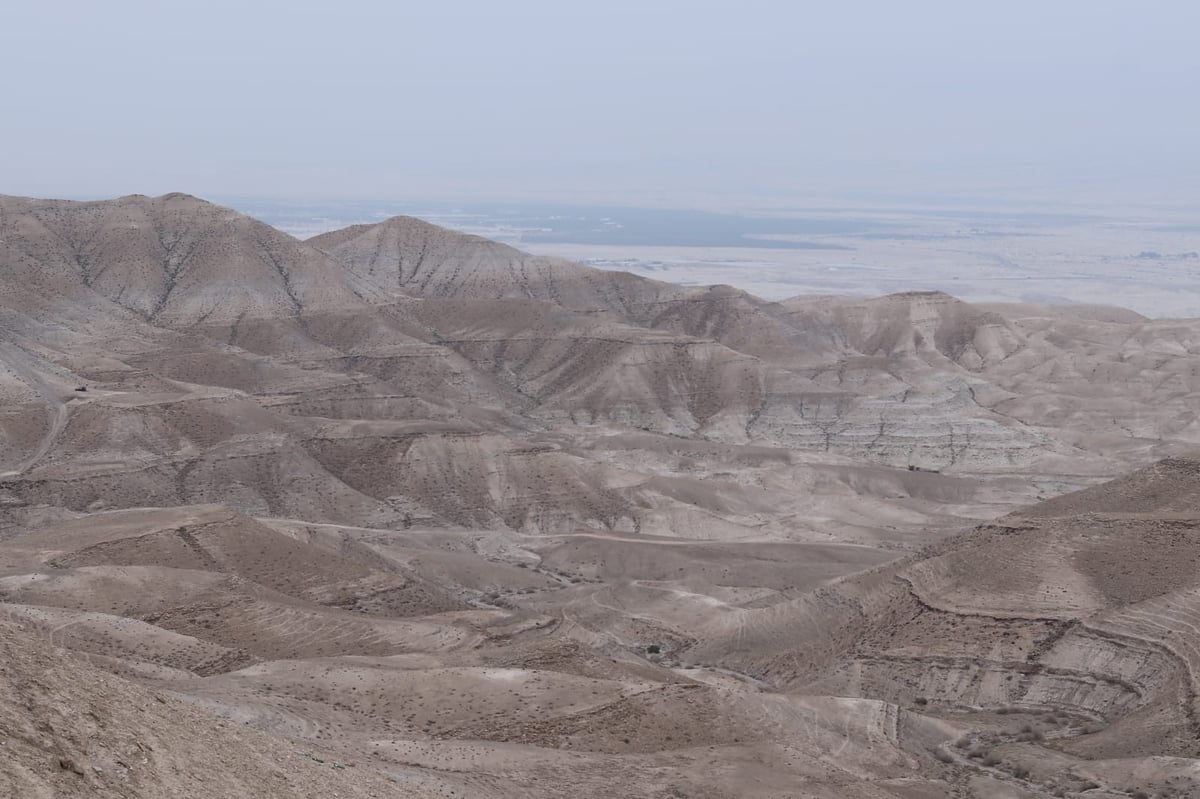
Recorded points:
(1143,259)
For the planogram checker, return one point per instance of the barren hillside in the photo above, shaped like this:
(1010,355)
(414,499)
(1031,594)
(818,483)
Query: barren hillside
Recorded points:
(71,730)
(485,524)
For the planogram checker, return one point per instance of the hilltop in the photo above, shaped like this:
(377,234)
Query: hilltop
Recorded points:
(492,524)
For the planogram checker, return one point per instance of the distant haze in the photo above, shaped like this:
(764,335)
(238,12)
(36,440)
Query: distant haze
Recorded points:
(648,102)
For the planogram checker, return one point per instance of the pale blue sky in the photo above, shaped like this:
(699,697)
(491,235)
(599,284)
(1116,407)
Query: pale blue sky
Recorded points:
(639,100)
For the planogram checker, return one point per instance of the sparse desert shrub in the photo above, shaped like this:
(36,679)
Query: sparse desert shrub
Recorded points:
(943,755)
(921,701)
(977,753)
(653,649)
(991,760)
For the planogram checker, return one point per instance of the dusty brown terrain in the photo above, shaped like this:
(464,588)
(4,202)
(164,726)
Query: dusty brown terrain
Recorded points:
(73,730)
(485,524)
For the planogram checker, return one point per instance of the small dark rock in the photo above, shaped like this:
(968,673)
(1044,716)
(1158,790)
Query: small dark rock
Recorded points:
(67,764)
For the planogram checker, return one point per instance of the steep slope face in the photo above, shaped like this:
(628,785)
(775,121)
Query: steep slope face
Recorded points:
(73,731)
(425,260)
(409,255)
(917,379)
(174,259)
(1118,387)
(1065,633)
(924,379)
(811,375)
(747,324)
(931,326)
(1171,486)
(575,367)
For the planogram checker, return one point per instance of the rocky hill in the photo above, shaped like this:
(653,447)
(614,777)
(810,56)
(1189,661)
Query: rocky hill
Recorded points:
(71,730)
(492,525)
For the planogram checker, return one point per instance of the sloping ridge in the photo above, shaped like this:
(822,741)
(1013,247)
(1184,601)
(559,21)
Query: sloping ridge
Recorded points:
(416,257)
(1078,606)
(1171,486)
(922,323)
(174,260)
(72,731)
(214,539)
(1021,571)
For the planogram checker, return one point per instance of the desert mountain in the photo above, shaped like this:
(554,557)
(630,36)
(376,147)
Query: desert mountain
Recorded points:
(173,258)
(408,255)
(476,520)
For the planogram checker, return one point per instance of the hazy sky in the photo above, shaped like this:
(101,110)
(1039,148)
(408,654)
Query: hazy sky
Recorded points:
(653,100)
